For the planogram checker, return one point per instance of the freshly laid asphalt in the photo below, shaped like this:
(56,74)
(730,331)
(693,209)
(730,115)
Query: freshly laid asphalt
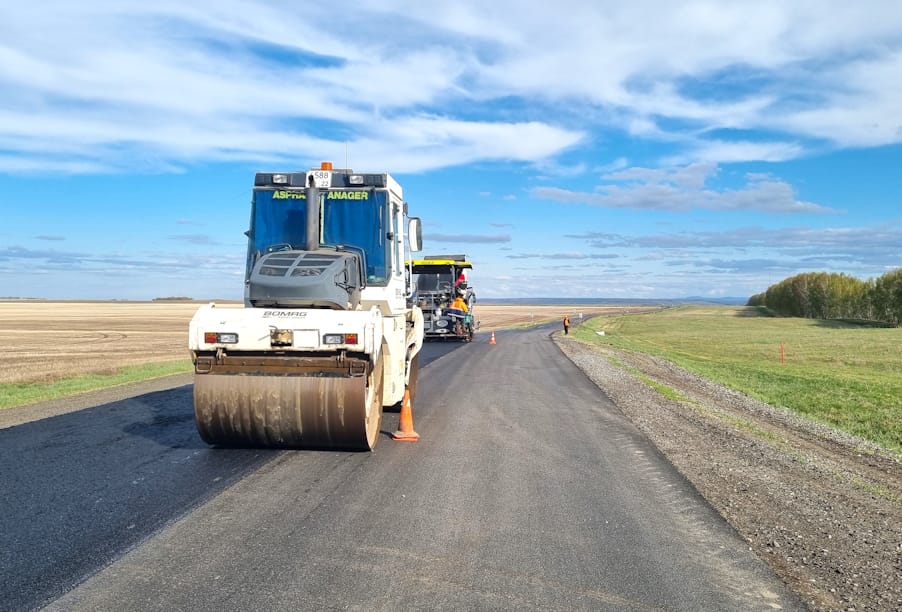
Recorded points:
(527,489)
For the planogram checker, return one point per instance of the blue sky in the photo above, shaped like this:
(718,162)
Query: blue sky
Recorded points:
(578,149)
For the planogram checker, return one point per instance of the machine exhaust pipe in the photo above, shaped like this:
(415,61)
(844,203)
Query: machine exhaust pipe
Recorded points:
(311,193)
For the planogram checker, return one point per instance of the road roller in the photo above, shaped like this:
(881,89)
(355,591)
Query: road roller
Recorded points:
(329,334)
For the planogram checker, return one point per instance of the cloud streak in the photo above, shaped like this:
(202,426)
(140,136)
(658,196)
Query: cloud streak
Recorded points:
(75,260)
(468,238)
(682,189)
(866,246)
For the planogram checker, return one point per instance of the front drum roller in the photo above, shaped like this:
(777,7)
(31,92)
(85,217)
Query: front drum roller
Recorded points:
(289,411)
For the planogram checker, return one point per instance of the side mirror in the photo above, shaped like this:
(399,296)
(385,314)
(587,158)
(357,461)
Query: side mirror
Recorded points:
(415,234)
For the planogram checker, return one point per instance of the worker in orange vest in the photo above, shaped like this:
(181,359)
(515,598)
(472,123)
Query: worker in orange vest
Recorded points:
(459,303)
(566,325)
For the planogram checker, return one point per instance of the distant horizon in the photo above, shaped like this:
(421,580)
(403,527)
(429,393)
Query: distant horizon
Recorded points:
(727,301)
(578,300)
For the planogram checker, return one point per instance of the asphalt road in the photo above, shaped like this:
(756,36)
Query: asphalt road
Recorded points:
(527,489)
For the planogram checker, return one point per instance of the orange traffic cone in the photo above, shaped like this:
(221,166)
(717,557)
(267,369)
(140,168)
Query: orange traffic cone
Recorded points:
(405,431)
(492,341)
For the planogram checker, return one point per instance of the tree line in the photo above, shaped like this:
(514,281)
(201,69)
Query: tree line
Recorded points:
(830,295)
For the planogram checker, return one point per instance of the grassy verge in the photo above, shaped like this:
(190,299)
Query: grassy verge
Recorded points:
(843,374)
(19,394)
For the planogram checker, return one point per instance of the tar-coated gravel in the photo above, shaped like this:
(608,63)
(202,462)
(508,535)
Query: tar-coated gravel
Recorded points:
(822,508)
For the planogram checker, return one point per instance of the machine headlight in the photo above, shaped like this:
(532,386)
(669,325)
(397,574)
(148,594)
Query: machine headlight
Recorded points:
(220,338)
(339,338)
(441,323)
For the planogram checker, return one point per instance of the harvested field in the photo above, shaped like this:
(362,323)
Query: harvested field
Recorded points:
(51,341)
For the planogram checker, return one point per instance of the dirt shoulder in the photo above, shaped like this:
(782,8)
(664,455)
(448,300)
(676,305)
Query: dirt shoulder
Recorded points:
(822,508)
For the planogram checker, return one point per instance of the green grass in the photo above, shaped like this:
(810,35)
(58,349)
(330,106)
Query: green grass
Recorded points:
(843,374)
(19,394)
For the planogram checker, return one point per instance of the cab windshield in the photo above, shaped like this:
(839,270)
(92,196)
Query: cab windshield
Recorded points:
(434,279)
(349,218)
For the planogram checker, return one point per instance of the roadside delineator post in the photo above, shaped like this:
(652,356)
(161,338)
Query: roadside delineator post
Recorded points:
(492,340)
(405,431)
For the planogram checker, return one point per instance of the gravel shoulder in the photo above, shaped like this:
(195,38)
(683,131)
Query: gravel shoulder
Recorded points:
(822,508)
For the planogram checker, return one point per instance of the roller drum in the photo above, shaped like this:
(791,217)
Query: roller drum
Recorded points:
(289,411)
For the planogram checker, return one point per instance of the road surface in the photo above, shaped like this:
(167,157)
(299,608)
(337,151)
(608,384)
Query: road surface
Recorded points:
(528,489)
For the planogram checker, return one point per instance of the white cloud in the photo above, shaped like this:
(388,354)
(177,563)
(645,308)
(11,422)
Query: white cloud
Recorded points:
(692,176)
(861,108)
(241,79)
(684,188)
(197,83)
(738,151)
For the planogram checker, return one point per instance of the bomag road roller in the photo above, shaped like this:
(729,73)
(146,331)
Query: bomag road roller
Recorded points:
(328,334)
(439,280)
